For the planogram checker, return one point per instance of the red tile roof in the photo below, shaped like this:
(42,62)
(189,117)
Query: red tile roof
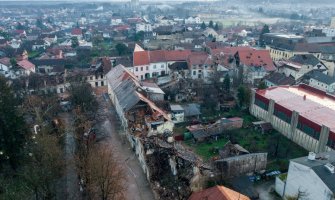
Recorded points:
(253,57)
(199,58)
(76,31)
(147,57)
(26,64)
(218,193)
(229,50)
(157,56)
(177,55)
(121,28)
(5,61)
(141,58)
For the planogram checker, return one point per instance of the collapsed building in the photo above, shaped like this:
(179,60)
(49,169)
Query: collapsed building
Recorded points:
(172,170)
(201,132)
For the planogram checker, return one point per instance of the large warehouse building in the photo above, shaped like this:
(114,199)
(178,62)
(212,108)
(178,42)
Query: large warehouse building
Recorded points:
(302,113)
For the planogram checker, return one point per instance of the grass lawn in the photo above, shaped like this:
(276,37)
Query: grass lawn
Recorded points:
(33,54)
(207,150)
(279,148)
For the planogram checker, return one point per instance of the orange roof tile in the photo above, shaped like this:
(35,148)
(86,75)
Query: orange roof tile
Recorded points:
(218,193)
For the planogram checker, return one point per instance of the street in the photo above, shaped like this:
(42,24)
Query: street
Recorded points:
(137,186)
(70,187)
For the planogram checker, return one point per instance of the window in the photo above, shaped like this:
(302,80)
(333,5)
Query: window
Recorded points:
(194,72)
(61,90)
(261,104)
(147,67)
(162,66)
(141,77)
(308,130)
(91,77)
(282,116)
(136,69)
(101,76)
(154,66)
(96,84)
(141,69)
(102,83)
(96,76)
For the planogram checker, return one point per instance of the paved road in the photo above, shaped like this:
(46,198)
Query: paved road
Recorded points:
(71,190)
(137,185)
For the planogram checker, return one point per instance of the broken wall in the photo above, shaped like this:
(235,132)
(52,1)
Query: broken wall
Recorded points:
(243,164)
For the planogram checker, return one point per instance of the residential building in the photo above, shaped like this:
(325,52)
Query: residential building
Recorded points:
(5,64)
(310,177)
(218,193)
(254,64)
(301,113)
(177,112)
(321,81)
(285,46)
(201,66)
(150,64)
(332,23)
(77,32)
(299,65)
(26,67)
(193,20)
(143,27)
(277,79)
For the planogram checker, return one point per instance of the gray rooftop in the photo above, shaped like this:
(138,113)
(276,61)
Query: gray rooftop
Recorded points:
(124,85)
(318,167)
(176,107)
(321,77)
(191,109)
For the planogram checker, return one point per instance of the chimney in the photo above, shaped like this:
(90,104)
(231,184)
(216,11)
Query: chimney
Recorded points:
(311,156)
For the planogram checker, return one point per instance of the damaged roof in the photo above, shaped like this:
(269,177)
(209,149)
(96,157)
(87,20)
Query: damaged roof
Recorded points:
(126,88)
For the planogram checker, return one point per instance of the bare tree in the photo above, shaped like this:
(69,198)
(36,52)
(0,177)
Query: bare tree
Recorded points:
(106,176)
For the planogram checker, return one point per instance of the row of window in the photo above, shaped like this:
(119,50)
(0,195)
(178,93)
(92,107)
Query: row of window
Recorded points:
(147,68)
(97,77)
(261,104)
(282,116)
(308,130)
(331,143)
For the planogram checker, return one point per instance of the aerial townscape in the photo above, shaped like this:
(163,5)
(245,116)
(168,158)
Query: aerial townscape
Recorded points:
(167,100)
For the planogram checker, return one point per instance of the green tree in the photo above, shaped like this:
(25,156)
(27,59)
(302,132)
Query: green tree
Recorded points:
(216,27)
(265,30)
(243,95)
(82,96)
(74,42)
(203,26)
(139,36)
(39,23)
(226,83)
(12,127)
(262,85)
(44,166)
(13,62)
(211,24)
(121,49)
